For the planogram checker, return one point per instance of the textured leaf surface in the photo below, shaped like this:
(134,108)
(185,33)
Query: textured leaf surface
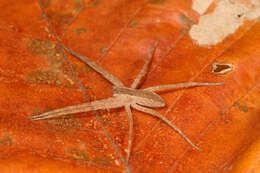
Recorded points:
(36,76)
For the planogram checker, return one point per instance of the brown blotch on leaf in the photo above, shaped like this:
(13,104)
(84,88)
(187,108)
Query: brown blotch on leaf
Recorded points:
(79,31)
(77,154)
(47,49)
(65,124)
(242,108)
(95,3)
(50,77)
(102,160)
(78,5)
(6,140)
(58,74)
(61,19)
(133,24)
(103,50)
(157,1)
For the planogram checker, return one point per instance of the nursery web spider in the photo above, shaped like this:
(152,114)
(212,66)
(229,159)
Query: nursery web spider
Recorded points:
(139,99)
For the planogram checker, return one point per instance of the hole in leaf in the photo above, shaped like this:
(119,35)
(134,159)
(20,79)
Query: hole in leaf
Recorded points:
(221,68)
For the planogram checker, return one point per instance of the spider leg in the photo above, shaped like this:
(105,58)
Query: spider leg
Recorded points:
(111,78)
(165,120)
(112,102)
(180,85)
(143,71)
(130,136)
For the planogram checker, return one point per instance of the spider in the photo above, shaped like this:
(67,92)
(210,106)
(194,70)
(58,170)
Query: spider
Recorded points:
(128,97)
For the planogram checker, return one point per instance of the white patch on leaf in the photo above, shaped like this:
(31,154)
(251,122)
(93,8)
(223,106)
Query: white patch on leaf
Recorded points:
(201,5)
(223,21)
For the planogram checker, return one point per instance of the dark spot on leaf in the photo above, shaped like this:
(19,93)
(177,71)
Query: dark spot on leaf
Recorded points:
(87,87)
(235,104)
(103,50)
(6,140)
(221,113)
(138,155)
(95,3)
(226,121)
(102,160)
(133,24)
(77,154)
(78,5)
(240,15)
(242,108)
(157,1)
(203,56)
(61,19)
(79,31)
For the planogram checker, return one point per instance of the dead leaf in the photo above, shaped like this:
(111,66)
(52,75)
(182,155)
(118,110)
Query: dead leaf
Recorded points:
(35,76)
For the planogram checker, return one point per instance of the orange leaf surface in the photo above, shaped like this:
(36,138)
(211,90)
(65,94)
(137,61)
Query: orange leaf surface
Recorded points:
(36,76)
